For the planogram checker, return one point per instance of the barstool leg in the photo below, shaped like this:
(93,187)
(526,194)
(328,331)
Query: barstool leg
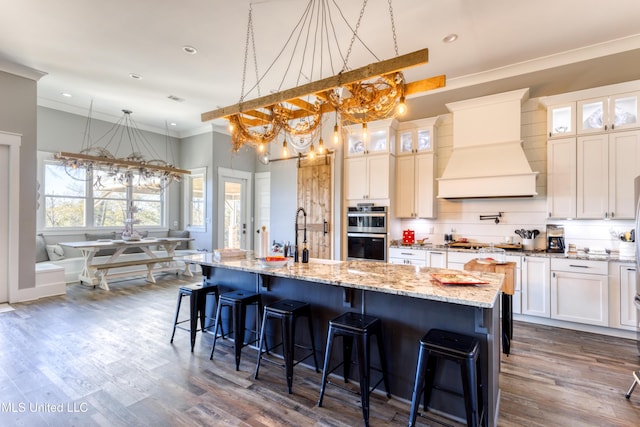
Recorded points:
(432,364)
(383,362)
(418,386)
(193,321)
(347,348)
(262,339)
(175,320)
(288,334)
(470,402)
(363,366)
(327,358)
(216,325)
(239,313)
(313,341)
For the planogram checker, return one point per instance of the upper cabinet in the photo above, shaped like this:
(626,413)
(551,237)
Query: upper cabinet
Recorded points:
(416,136)
(371,138)
(592,114)
(561,120)
(610,113)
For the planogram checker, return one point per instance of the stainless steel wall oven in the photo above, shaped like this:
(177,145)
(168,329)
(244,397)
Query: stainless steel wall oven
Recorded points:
(367,232)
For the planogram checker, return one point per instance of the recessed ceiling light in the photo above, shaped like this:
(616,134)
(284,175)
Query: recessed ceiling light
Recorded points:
(173,124)
(190,50)
(450,38)
(135,76)
(66,94)
(175,98)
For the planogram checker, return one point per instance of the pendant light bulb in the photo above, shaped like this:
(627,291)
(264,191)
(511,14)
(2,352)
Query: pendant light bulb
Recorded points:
(261,147)
(401,109)
(364,131)
(321,146)
(312,151)
(231,127)
(285,152)
(336,134)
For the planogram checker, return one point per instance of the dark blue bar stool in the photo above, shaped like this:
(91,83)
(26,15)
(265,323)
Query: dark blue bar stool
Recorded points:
(360,327)
(462,349)
(197,293)
(287,311)
(237,301)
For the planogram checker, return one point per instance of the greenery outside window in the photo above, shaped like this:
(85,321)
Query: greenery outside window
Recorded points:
(195,199)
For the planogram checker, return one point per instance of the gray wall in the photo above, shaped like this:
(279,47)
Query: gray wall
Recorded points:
(213,150)
(18,115)
(61,131)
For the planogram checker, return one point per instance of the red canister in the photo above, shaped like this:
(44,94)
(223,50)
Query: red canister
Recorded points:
(408,237)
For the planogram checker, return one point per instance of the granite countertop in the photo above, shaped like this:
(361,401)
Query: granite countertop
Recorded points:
(393,279)
(613,257)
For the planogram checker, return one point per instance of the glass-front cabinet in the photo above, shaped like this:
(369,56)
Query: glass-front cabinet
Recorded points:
(561,120)
(416,136)
(371,138)
(615,112)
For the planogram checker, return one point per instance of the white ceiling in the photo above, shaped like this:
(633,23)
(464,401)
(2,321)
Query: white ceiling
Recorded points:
(88,49)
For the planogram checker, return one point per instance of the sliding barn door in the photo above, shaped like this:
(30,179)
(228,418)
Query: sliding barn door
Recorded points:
(314,195)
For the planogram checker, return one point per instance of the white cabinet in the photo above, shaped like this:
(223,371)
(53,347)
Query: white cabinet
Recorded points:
(592,177)
(580,291)
(627,296)
(561,178)
(421,257)
(368,177)
(615,112)
(606,167)
(561,120)
(408,256)
(457,260)
(436,258)
(377,137)
(517,294)
(415,186)
(416,136)
(536,299)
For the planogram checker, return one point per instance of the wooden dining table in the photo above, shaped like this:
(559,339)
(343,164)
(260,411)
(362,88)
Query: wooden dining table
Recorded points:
(94,273)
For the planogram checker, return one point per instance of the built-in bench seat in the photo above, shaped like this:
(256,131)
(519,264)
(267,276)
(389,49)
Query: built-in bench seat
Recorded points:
(49,252)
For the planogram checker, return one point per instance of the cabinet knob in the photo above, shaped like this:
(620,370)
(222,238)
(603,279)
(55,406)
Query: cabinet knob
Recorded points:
(612,215)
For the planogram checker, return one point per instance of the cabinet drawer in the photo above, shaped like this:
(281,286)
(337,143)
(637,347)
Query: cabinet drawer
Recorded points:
(461,257)
(412,254)
(583,266)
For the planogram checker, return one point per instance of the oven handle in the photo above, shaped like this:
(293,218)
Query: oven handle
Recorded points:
(381,236)
(368,214)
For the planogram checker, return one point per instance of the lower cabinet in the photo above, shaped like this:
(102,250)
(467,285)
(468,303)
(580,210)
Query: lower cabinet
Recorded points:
(580,291)
(408,256)
(622,293)
(536,300)
(437,259)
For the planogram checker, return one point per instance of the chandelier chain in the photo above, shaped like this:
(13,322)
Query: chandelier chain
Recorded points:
(255,57)
(393,29)
(246,53)
(355,34)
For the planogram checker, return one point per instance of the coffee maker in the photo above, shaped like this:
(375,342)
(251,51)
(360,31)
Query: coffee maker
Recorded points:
(555,238)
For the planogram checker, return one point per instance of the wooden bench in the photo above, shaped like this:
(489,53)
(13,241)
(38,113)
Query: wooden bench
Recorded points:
(103,269)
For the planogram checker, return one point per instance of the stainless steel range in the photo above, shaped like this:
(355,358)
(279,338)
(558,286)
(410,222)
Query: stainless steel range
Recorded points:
(367,232)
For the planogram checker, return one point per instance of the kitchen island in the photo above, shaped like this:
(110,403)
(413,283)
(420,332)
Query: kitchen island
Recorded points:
(405,298)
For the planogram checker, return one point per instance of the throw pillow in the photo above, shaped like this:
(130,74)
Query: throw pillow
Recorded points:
(180,233)
(55,252)
(101,236)
(41,249)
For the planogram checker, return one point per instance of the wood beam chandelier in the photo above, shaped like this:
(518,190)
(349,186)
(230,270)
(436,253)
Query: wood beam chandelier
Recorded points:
(374,92)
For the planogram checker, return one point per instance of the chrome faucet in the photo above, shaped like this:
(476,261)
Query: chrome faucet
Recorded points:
(305,251)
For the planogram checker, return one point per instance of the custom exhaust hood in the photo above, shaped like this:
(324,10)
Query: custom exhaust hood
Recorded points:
(487,158)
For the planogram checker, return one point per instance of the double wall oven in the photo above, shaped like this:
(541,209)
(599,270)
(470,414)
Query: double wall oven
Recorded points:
(367,232)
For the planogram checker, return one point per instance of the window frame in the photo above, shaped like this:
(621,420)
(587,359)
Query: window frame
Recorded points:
(46,158)
(188,199)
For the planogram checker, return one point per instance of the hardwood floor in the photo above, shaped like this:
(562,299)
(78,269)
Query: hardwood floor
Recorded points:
(97,358)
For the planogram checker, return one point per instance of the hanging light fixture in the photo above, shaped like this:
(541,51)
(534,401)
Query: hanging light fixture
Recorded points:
(134,169)
(374,92)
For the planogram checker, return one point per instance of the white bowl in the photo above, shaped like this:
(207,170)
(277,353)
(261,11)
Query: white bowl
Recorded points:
(273,263)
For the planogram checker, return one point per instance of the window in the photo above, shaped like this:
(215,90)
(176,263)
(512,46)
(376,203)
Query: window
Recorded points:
(72,201)
(195,199)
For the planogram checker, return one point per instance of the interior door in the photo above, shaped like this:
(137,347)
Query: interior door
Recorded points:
(314,195)
(4,223)
(234,195)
